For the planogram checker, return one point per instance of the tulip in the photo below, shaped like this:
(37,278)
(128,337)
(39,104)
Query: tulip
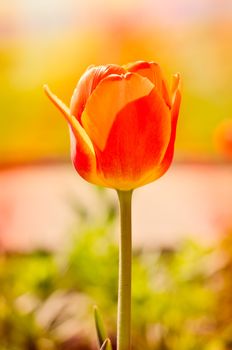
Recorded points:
(122,124)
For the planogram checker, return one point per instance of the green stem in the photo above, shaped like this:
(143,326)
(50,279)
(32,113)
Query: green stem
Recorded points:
(124,280)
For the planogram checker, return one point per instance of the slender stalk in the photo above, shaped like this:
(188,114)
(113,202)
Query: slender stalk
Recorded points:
(124,280)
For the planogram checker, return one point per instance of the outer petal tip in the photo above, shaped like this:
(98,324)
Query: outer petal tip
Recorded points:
(175,82)
(58,103)
(45,87)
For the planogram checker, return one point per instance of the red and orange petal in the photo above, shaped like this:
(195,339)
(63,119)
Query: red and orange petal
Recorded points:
(170,150)
(153,72)
(161,168)
(87,83)
(84,159)
(82,151)
(136,143)
(110,96)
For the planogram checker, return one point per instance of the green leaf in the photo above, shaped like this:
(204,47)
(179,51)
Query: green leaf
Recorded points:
(101,332)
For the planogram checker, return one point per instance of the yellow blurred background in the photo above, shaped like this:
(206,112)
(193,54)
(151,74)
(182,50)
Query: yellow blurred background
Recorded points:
(53,41)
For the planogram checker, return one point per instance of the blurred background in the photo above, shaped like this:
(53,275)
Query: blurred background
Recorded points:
(55,229)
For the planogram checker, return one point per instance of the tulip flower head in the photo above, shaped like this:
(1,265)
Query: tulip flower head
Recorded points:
(122,123)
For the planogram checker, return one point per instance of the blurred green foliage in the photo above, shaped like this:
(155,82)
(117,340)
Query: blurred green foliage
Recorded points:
(181,297)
